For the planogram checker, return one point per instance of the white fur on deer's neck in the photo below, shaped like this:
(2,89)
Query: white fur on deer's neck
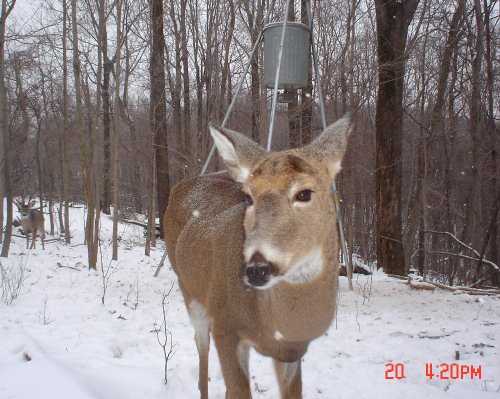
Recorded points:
(306,269)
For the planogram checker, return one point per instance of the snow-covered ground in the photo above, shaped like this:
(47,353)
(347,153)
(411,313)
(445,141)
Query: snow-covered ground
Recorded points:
(59,341)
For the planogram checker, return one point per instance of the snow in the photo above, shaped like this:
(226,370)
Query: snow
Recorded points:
(278,336)
(58,340)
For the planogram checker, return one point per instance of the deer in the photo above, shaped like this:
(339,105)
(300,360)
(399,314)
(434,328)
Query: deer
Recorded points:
(32,222)
(256,254)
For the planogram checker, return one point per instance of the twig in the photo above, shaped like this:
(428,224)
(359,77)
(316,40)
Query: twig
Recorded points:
(137,223)
(45,314)
(357,322)
(11,282)
(165,342)
(67,267)
(106,274)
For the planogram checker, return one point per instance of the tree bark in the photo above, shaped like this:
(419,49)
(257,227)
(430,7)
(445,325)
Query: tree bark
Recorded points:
(116,131)
(86,164)
(254,12)
(473,201)
(158,112)
(64,144)
(4,123)
(175,85)
(493,134)
(107,66)
(186,93)
(393,18)
(306,99)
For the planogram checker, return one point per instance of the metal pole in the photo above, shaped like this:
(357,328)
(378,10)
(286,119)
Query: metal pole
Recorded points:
(276,80)
(323,122)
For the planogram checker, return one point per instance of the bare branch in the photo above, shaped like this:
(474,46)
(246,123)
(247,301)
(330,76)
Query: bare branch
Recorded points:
(492,264)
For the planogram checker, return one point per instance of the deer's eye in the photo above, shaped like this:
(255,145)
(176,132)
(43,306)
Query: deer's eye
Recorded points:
(248,200)
(303,196)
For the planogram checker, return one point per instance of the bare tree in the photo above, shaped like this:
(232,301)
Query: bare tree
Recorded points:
(64,139)
(5,183)
(106,106)
(493,132)
(158,116)
(116,130)
(88,162)
(393,19)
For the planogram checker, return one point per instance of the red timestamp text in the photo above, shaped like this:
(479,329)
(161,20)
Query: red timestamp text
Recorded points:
(453,371)
(442,371)
(394,371)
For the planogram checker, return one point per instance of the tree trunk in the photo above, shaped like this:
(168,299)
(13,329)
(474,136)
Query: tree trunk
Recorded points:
(393,18)
(306,99)
(107,66)
(4,123)
(254,16)
(116,132)
(224,99)
(473,202)
(106,122)
(38,161)
(493,135)
(151,230)
(86,166)
(64,144)
(158,115)
(175,85)
(186,119)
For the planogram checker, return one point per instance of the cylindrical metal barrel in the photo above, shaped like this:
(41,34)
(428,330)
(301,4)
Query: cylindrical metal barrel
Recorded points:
(295,59)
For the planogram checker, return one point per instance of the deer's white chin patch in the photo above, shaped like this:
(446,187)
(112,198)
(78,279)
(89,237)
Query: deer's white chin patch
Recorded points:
(306,268)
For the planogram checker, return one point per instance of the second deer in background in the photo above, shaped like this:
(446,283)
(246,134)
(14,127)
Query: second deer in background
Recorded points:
(32,222)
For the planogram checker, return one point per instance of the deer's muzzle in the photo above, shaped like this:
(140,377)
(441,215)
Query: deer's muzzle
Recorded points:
(259,271)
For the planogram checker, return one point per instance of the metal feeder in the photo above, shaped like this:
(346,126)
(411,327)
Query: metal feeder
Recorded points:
(294,66)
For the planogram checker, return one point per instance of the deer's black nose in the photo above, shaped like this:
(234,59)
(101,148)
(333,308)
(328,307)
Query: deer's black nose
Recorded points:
(259,270)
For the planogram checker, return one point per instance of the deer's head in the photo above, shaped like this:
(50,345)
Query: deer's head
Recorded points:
(25,208)
(290,215)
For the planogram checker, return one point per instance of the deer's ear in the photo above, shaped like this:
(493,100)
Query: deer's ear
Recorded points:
(329,147)
(238,152)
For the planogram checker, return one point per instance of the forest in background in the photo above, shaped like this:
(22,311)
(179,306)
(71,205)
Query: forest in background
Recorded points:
(81,120)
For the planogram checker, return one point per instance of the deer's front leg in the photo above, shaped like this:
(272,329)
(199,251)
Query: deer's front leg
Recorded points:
(289,379)
(233,357)
(33,240)
(42,237)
